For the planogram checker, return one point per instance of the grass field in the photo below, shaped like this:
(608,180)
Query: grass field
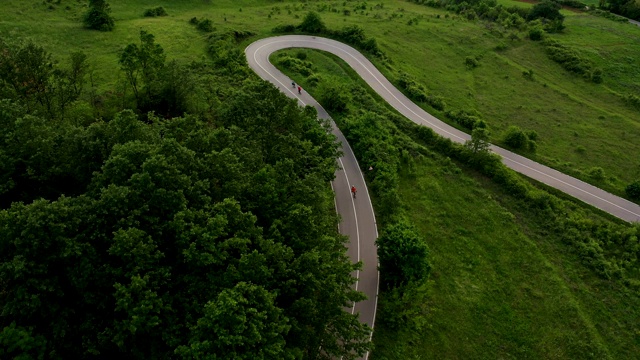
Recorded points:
(503,286)
(582,125)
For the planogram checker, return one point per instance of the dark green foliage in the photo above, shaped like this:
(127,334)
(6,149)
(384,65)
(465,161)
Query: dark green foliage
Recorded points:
(597,173)
(355,36)
(302,67)
(514,137)
(626,8)
(154,12)
(30,76)
(98,16)
(528,74)
(549,10)
(142,65)
(418,92)
(334,96)
(632,100)
(372,143)
(633,190)
(403,256)
(205,25)
(194,234)
(608,15)
(312,24)
(17,342)
(225,53)
(570,59)
(573,3)
(479,143)
(288,28)
(463,118)
(471,62)
(536,33)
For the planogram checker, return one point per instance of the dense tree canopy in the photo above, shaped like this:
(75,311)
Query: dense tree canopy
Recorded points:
(174,238)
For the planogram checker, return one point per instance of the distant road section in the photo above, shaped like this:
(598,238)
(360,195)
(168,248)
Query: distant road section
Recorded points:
(258,57)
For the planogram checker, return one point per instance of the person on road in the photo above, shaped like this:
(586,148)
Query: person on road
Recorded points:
(353,191)
(299,90)
(293,84)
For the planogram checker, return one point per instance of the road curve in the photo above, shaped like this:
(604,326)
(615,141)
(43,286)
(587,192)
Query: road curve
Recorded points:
(259,51)
(358,219)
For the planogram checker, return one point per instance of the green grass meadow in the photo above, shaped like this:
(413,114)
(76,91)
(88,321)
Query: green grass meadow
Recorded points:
(582,125)
(502,287)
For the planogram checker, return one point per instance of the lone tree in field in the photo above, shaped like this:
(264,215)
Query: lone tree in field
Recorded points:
(98,16)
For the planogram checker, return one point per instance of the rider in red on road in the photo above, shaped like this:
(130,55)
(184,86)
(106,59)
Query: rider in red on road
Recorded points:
(299,90)
(353,191)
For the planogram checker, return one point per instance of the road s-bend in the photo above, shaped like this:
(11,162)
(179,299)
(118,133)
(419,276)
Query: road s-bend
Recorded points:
(358,219)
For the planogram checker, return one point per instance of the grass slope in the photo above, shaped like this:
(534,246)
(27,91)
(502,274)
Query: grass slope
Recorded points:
(503,286)
(582,125)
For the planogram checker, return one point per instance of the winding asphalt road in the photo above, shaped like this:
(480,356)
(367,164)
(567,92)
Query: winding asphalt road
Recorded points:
(358,219)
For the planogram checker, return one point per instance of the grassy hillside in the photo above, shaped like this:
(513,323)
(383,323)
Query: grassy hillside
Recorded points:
(505,282)
(504,285)
(581,125)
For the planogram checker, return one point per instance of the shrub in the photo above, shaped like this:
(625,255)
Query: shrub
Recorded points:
(287,28)
(205,25)
(471,62)
(97,17)
(300,66)
(158,11)
(334,96)
(312,23)
(515,138)
(597,173)
(633,190)
(632,100)
(596,76)
(570,59)
(355,35)
(536,33)
(546,9)
(463,118)
(403,255)
(194,21)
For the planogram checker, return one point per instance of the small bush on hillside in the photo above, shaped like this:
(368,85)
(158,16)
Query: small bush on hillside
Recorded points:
(528,74)
(334,96)
(287,28)
(518,139)
(597,173)
(570,59)
(205,25)
(98,16)
(471,62)
(632,100)
(154,12)
(300,66)
(608,15)
(463,118)
(536,33)
(633,190)
(312,23)
(546,9)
